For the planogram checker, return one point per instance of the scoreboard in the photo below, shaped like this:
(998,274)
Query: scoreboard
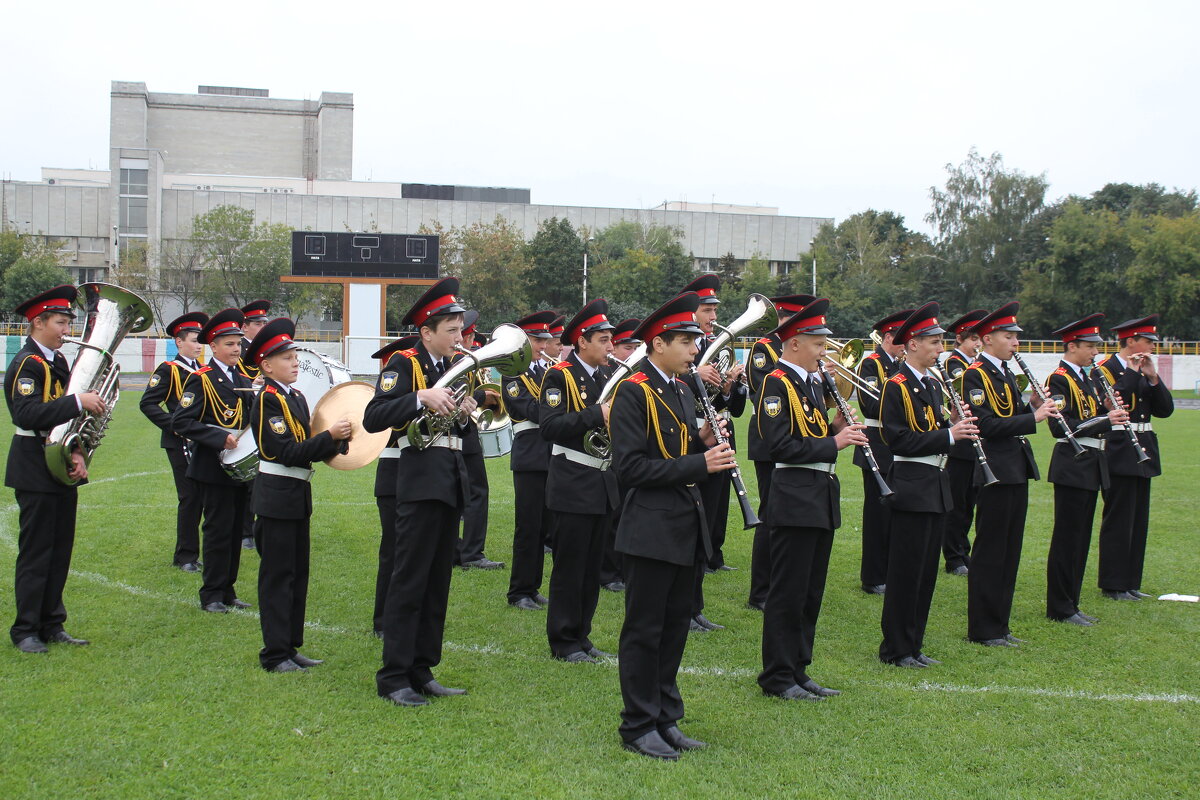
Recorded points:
(364,255)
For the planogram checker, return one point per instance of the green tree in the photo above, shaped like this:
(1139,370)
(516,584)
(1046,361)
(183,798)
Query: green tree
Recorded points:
(28,266)
(1146,200)
(632,284)
(729,270)
(554,279)
(490,260)
(1165,273)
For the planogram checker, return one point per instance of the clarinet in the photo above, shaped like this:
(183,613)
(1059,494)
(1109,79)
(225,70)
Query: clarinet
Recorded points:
(844,408)
(748,516)
(988,476)
(1040,391)
(1115,400)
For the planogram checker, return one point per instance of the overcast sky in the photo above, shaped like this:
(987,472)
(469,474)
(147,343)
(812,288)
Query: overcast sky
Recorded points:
(821,111)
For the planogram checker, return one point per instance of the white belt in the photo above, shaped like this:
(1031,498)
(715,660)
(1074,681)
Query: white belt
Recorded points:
(1088,441)
(23,432)
(817,466)
(938,460)
(391,452)
(871,423)
(299,473)
(1138,427)
(524,425)
(448,442)
(601,464)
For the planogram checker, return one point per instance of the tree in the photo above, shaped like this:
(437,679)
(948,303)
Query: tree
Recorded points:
(1165,273)
(490,260)
(632,284)
(555,276)
(729,269)
(755,278)
(180,272)
(29,266)
(639,267)
(1147,200)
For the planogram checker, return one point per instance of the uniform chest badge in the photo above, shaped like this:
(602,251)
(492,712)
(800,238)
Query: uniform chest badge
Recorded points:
(25,386)
(228,413)
(976,397)
(513,389)
(583,395)
(772,405)
(387,381)
(1059,401)
(186,399)
(277,425)
(873,382)
(759,361)
(154,379)
(553,397)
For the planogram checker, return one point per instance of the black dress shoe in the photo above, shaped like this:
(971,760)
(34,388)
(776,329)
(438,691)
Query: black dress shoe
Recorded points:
(578,657)
(708,623)
(406,697)
(756,606)
(959,570)
(709,570)
(377,634)
(1088,617)
(1139,595)
(541,600)
(874,588)
(1014,641)
(306,662)
(794,692)
(820,691)
(190,566)
(238,603)
(908,662)
(547,549)
(726,568)
(216,607)
(287,666)
(483,563)
(596,652)
(614,586)
(62,637)
(32,644)
(526,603)
(435,689)
(1075,619)
(652,745)
(247,542)
(676,739)
(696,627)
(993,642)
(926,660)
(1117,595)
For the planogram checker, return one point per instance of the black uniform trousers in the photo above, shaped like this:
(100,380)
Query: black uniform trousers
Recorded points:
(575,580)
(875,521)
(999,533)
(760,552)
(653,637)
(190,494)
(417,594)
(532,525)
(715,492)
(283,545)
(387,556)
(1123,533)
(1073,512)
(475,515)
(248,518)
(225,508)
(610,559)
(45,542)
(956,545)
(799,565)
(912,574)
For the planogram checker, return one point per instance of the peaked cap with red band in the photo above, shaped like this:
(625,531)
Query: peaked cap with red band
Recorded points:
(469,320)
(556,327)
(1146,327)
(192,321)
(1003,318)
(439,299)
(705,287)
(791,303)
(223,323)
(537,324)
(593,317)
(675,315)
(1082,330)
(809,320)
(403,343)
(922,322)
(257,310)
(60,299)
(626,331)
(277,336)
(892,321)
(963,324)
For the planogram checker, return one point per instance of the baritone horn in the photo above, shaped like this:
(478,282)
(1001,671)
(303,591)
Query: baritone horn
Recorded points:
(759,318)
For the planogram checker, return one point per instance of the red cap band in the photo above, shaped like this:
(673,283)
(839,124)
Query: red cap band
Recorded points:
(1073,335)
(891,326)
(589,322)
(535,327)
(53,304)
(270,346)
(224,326)
(432,306)
(794,326)
(920,326)
(996,323)
(1142,330)
(706,292)
(668,322)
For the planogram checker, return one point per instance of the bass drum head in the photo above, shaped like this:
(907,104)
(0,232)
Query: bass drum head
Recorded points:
(348,401)
(318,374)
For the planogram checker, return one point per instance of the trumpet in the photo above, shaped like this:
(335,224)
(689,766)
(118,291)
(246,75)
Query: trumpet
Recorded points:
(847,355)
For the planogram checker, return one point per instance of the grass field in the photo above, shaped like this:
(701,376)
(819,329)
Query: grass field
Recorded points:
(170,702)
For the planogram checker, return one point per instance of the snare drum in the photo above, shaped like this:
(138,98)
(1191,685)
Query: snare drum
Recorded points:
(318,374)
(241,463)
(496,441)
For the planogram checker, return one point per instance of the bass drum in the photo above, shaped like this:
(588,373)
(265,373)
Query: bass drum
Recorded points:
(318,374)
(496,441)
(241,463)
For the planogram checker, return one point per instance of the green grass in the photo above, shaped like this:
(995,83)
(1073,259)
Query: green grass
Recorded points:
(170,702)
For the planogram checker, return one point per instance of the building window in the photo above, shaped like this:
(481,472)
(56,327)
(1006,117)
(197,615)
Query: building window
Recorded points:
(135,181)
(91,274)
(133,215)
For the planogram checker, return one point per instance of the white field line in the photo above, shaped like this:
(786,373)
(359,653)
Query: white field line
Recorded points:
(739,673)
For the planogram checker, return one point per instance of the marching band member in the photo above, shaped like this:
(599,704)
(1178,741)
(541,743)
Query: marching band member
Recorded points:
(431,492)
(956,547)
(469,553)
(990,388)
(279,422)
(1077,481)
(554,345)
(802,511)
(624,343)
(763,355)
(212,409)
(1126,516)
(920,439)
(528,460)
(874,370)
(165,388)
(256,316)
(34,388)
(660,456)
(581,492)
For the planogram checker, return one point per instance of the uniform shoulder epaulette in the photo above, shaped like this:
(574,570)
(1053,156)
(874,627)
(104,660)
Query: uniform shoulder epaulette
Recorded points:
(409,353)
(560,366)
(897,378)
(1060,371)
(270,389)
(975,364)
(203,370)
(681,380)
(778,373)
(873,355)
(638,377)
(764,340)
(38,358)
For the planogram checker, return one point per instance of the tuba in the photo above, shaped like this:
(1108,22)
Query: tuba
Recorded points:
(508,351)
(759,318)
(112,313)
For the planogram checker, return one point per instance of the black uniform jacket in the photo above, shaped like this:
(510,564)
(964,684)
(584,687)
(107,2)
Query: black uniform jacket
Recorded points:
(1143,401)
(568,412)
(530,452)
(33,389)
(208,399)
(955,365)
(385,469)
(1003,422)
(249,371)
(1085,415)
(874,371)
(659,458)
(279,422)
(734,402)
(763,355)
(165,387)
(908,402)
(799,497)
(435,473)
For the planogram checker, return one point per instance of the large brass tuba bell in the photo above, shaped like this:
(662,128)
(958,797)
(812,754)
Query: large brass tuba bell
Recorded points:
(759,318)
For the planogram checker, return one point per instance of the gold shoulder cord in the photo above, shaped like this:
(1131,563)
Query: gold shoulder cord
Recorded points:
(534,390)
(1002,409)
(211,396)
(176,384)
(295,428)
(815,426)
(1132,404)
(573,397)
(910,414)
(47,395)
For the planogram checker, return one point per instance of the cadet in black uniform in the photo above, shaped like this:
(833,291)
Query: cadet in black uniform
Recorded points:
(624,344)
(920,439)
(581,491)
(802,511)
(431,492)
(660,457)
(1077,481)
(279,421)
(874,370)
(529,460)
(1126,517)
(213,408)
(763,355)
(475,515)
(257,314)
(165,387)
(956,546)
(1004,421)
(34,388)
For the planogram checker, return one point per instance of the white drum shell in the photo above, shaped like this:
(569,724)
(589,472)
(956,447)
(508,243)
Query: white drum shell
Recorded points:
(496,441)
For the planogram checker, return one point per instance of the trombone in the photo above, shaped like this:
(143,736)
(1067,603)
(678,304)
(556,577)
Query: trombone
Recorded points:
(844,357)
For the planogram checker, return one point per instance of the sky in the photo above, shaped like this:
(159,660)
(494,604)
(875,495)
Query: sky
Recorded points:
(817,110)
